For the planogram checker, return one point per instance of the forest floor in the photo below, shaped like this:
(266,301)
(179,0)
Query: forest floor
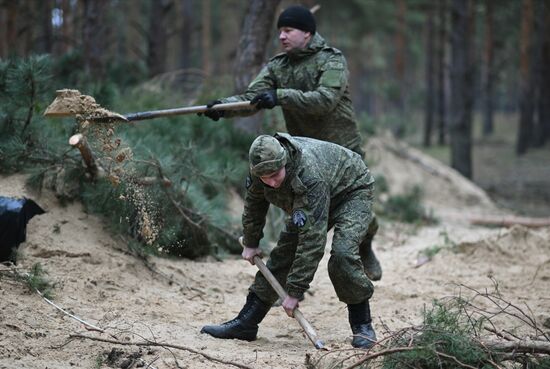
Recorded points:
(165,301)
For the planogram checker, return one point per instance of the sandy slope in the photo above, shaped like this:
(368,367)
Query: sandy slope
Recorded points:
(101,283)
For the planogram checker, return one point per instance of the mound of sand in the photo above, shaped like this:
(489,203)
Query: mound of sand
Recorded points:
(446,191)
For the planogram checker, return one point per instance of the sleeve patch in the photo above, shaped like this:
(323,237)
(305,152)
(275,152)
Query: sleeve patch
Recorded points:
(299,218)
(332,78)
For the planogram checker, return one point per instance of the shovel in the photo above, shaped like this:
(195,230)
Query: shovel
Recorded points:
(306,326)
(188,110)
(72,102)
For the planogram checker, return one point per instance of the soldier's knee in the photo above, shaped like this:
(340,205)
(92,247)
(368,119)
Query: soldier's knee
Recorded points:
(340,264)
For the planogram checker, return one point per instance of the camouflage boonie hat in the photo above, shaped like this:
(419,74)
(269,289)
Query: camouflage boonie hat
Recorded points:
(266,156)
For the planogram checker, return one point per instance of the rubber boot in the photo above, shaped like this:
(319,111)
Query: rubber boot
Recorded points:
(361,325)
(245,325)
(373,270)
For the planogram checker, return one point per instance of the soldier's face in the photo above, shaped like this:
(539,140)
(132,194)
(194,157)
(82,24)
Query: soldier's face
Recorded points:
(276,179)
(292,38)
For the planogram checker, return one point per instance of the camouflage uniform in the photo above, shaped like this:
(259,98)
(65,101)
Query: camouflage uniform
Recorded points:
(313,92)
(325,186)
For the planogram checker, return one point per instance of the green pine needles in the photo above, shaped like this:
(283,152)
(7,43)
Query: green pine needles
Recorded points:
(443,341)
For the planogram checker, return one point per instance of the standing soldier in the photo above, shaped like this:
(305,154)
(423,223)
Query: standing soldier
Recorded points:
(309,80)
(320,185)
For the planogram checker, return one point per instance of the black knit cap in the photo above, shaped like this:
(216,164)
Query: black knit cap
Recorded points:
(299,17)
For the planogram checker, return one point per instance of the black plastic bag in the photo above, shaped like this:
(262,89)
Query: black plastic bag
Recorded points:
(15,213)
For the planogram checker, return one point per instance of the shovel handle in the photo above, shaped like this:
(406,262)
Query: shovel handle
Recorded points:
(306,326)
(188,110)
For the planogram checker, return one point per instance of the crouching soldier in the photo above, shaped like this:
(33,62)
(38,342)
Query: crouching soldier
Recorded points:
(320,185)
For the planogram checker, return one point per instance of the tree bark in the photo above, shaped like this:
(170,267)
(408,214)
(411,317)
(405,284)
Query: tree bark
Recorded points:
(158,37)
(94,36)
(256,32)
(3,34)
(45,42)
(67,29)
(206,38)
(461,89)
(441,69)
(399,60)
(187,20)
(537,137)
(80,142)
(11,28)
(544,106)
(489,69)
(525,128)
(430,58)
(509,221)
(251,53)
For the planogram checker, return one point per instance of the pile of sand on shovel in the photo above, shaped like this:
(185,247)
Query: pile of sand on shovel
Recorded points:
(73,103)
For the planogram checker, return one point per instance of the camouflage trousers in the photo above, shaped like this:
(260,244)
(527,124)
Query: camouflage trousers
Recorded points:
(354,224)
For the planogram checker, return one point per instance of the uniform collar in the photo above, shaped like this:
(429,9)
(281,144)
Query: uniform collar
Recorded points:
(314,46)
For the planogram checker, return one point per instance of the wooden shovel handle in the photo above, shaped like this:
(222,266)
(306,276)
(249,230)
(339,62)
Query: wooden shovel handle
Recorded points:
(187,110)
(306,326)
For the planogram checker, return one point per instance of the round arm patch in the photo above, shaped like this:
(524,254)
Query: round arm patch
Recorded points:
(299,218)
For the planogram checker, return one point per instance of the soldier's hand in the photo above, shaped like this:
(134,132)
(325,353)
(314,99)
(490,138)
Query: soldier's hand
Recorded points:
(265,100)
(215,115)
(249,253)
(289,304)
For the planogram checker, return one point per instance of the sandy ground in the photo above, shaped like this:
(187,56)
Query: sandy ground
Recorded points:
(100,282)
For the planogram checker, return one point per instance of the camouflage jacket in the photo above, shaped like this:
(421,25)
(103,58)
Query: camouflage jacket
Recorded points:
(320,176)
(313,91)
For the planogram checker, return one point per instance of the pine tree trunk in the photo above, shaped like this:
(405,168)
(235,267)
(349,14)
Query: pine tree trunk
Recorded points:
(3,20)
(525,128)
(27,26)
(45,42)
(158,37)
(430,57)
(544,106)
(94,36)
(205,40)
(489,69)
(256,32)
(251,52)
(400,56)
(461,89)
(11,28)
(441,69)
(536,66)
(67,27)
(187,17)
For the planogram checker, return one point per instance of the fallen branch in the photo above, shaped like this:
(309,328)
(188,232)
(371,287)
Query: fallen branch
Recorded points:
(165,345)
(509,221)
(524,346)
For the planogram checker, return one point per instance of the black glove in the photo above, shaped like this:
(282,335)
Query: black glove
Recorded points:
(211,113)
(265,100)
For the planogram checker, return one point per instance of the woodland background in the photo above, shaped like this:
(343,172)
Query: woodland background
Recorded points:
(454,77)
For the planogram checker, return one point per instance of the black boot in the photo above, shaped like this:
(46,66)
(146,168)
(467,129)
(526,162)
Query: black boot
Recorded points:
(361,325)
(245,325)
